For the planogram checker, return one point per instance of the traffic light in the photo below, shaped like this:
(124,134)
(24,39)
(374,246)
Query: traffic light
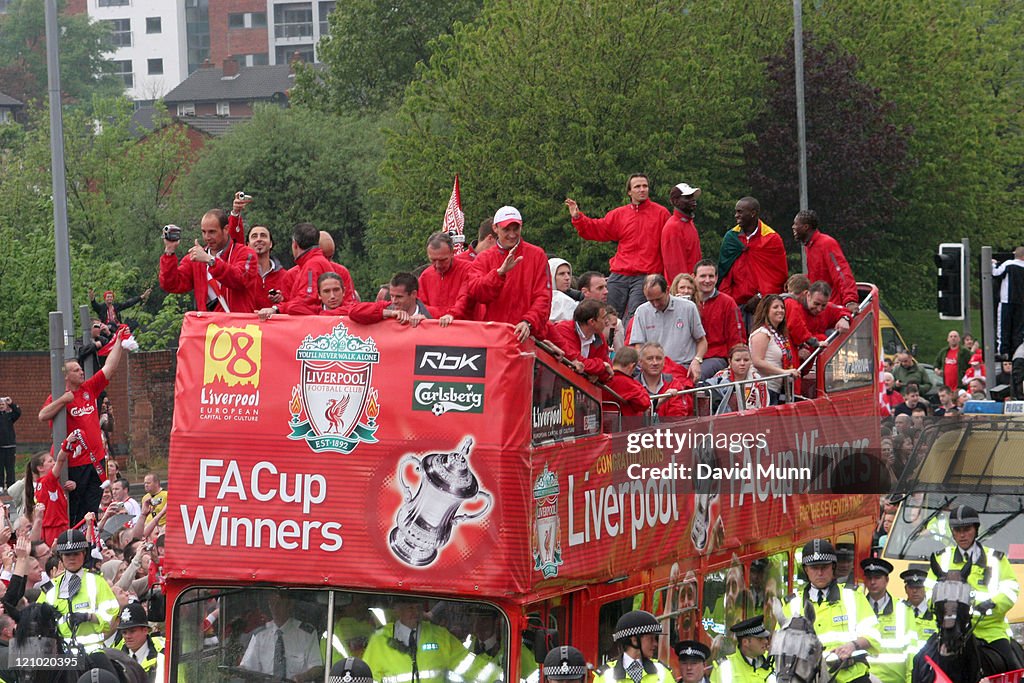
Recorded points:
(950,261)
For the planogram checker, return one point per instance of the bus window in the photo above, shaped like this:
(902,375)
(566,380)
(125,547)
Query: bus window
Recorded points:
(770,573)
(845,552)
(713,605)
(606,618)
(232,632)
(675,605)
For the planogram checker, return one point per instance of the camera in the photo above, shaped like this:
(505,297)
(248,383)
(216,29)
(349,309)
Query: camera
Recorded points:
(243,196)
(172,233)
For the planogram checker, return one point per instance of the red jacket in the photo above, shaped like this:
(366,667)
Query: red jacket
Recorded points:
(636,398)
(447,293)
(677,406)
(637,229)
(820,324)
(278,278)
(236,226)
(303,297)
(343,309)
(524,293)
(723,324)
(796,321)
(237,277)
(370,312)
(680,245)
(565,336)
(761,268)
(825,261)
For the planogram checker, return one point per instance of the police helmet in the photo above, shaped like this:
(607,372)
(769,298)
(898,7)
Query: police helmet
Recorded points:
(750,628)
(72,541)
(819,551)
(351,670)
(636,623)
(133,614)
(964,515)
(565,663)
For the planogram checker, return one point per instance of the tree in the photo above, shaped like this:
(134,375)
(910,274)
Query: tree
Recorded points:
(954,73)
(536,101)
(372,51)
(855,154)
(85,71)
(300,167)
(117,186)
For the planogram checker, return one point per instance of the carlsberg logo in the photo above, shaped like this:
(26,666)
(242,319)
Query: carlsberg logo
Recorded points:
(443,397)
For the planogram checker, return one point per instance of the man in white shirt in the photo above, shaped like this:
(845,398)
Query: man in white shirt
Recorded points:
(128,505)
(284,647)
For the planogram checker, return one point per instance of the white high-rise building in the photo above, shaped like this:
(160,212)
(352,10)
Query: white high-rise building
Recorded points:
(148,43)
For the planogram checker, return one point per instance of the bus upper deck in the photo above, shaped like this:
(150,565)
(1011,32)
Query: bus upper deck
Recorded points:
(359,465)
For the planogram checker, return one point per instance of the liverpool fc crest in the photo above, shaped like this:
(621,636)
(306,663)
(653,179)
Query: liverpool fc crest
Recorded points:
(334,407)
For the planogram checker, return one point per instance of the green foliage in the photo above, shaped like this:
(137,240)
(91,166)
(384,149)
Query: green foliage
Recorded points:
(84,69)
(954,72)
(300,166)
(119,191)
(536,101)
(372,51)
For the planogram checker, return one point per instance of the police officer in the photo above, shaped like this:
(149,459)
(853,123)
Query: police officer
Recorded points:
(844,564)
(137,642)
(412,649)
(897,643)
(995,586)
(924,617)
(748,664)
(351,670)
(843,619)
(565,663)
(636,633)
(693,658)
(84,600)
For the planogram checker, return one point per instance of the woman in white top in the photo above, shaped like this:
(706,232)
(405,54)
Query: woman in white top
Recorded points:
(770,348)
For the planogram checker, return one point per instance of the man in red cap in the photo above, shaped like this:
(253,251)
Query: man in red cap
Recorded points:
(636,227)
(512,280)
(680,243)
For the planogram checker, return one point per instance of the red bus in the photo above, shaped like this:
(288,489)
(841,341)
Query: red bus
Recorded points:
(390,476)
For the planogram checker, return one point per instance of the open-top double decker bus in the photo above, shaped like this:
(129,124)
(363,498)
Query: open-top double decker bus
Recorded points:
(458,478)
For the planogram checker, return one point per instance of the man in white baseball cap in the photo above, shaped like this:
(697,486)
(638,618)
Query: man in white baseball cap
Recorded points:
(512,280)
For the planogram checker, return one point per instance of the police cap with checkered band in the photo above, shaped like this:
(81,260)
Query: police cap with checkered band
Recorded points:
(565,663)
(818,552)
(636,623)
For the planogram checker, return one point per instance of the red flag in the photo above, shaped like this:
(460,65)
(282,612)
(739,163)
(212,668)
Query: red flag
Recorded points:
(454,220)
(940,675)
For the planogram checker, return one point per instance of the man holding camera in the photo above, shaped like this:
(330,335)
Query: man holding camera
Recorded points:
(222,274)
(9,414)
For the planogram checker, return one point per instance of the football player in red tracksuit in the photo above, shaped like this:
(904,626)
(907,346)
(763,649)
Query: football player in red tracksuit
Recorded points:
(303,298)
(752,262)
(222,275)
(443,285)
(629,393)
(636,227)
(512,280)
(825,260)
(680,242)
(586,327)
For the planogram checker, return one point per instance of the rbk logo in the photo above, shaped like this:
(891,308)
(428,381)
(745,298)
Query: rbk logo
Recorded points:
(451,361)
